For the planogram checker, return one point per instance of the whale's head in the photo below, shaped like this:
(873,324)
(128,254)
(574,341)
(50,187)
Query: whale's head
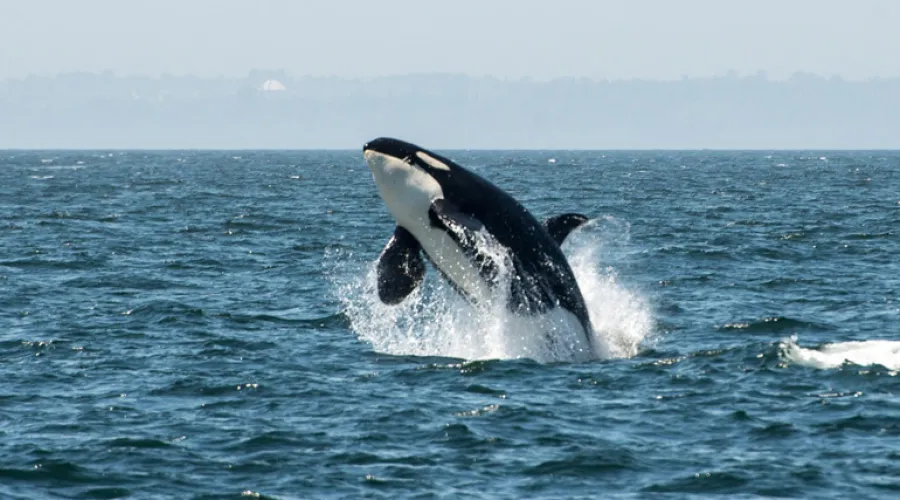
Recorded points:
(387,152)
(408,177)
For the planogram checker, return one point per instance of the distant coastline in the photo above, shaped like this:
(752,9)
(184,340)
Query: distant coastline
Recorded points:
(273,110)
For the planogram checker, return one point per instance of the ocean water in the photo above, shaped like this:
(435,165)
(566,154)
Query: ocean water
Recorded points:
(192,324)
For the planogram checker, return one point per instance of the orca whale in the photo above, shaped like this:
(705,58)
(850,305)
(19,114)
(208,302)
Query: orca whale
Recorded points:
(455,217)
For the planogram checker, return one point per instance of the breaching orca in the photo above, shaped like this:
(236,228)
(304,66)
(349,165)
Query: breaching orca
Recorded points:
(455,216)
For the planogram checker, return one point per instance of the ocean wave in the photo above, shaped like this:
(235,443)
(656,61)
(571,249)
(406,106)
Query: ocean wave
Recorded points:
(884,353)
(771,324)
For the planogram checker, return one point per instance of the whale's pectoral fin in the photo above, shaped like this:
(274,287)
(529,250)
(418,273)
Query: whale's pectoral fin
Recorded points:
(447,216)
(463,229)
(400,267)
(560,226)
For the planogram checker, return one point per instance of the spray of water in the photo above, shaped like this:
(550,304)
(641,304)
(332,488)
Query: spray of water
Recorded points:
(436,321)
(621,317)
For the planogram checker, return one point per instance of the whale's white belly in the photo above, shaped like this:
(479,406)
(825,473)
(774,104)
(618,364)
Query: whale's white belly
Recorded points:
(452,260)
(408,193)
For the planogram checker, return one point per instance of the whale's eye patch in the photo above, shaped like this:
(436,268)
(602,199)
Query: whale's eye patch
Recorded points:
(432,161)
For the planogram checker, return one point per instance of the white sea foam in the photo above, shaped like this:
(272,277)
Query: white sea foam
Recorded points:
(864,353)
(435,321)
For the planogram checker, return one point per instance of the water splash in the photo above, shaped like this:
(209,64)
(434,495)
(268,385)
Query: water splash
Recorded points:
(863,353)
(436,321)
(621,317)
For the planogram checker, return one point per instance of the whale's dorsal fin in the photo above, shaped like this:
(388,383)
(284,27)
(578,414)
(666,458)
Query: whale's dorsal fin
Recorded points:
(400,267)
(560,226)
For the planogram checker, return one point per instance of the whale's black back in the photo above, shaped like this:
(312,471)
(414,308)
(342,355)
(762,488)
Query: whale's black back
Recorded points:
(543,276)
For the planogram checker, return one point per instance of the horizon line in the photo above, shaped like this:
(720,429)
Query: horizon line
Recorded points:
(486,150)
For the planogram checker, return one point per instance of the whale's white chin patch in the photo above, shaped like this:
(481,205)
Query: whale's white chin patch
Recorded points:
(407,190)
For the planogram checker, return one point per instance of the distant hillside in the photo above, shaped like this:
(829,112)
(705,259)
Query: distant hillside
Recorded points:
(273,110)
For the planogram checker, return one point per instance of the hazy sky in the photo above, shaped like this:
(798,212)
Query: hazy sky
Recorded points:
(662,39)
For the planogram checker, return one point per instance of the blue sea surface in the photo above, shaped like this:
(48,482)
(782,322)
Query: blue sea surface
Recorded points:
(201,324)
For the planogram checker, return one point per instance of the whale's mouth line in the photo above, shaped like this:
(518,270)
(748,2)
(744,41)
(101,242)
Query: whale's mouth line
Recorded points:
(371,158)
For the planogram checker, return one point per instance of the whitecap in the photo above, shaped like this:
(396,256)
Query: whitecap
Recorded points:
(885,353)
